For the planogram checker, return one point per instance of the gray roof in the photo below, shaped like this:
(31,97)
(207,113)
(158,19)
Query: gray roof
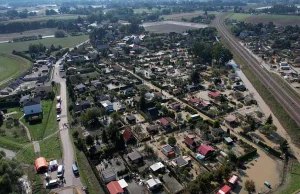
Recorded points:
(180,161)
(134,155)
(107,173)
(168,148)
(130,117)
(24,98)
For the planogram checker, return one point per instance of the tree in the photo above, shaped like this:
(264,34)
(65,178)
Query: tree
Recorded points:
(120,143)
(89,140)
(250,186)
(90,118)
(104,137)
(284,146)
(195,77)
(221,54)
(1,119)
(59,34)
(75,134)
(203,51)
(269,120)
(172,141)
(268,129)
(142,102)
(10,172)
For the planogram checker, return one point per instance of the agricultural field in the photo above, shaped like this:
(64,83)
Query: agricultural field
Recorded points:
(171,26)
(43,32)
(11,66)
(45,17)
(281,20)
(179,16)
(64,42)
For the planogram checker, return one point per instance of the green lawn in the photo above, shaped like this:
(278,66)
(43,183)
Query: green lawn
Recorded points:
(18,115)
(47,126)
(238,16)
(27,155)
(7,67)
(294,184)
(51,148)
(22,46)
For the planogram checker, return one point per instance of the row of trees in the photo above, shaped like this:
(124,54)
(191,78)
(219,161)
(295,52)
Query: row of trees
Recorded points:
(281,9)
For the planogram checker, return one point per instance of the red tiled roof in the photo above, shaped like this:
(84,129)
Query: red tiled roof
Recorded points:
(224,190)
(204,149)
(214,94)
(189,141)
(195,100)
(164,121)
(127,134)
(114,187)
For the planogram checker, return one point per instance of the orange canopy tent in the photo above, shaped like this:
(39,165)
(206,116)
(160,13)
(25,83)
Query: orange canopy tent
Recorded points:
(40,164)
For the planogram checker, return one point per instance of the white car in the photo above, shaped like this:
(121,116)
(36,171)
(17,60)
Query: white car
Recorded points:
(57,117)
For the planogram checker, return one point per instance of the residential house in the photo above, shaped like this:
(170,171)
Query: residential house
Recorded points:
(108,175)
(153,129)
(82,105)
(131,119)
(33,109)
(128,135)
(231,120)
(205,150)
(128,91)
(42,89)
(176,106)
(166,123)
(181,161)
(135,157)
(108,106)
(153,184)
(228,140)
(157,168)
(189,142)
(24,99)
(218,132)
(191,88)
(115,188)
(153,112)
(4,92)
(168,151)
(224,190)
(214,95)
(80,88)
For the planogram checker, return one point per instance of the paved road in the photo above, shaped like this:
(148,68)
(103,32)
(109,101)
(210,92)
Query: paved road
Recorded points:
(68,151)
(67,146)
(289,102)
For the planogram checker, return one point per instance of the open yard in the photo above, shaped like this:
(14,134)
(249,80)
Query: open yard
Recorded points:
(11,66)
(171,26)
(64,42)
(281,20)
(47,126)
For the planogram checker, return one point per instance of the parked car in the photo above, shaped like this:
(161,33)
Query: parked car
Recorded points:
(75,170)
(57,117)
(60,171)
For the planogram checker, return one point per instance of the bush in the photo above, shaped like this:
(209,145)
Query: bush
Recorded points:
(59,34)
(269,149)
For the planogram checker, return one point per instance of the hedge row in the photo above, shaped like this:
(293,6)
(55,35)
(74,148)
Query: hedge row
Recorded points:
(269,149)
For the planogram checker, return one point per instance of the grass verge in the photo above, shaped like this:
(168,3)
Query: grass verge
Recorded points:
(27,155)
(50,148)
(294,180)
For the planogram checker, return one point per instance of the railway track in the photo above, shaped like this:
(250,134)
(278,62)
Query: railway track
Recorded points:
(289,102)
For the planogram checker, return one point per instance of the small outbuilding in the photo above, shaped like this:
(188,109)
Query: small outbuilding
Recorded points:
(41,164)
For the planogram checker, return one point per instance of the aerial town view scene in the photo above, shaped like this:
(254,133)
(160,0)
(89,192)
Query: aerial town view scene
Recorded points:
(142,97)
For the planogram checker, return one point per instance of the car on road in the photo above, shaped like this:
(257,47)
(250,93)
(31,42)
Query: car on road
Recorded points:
(57,117)
(75,170)
(60,171)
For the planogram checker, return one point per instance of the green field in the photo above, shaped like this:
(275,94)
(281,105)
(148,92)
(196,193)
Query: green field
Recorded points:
(238,16)
(45,17)
(51,148)
(11,66)
(294,183)
(71,41)
(27,155)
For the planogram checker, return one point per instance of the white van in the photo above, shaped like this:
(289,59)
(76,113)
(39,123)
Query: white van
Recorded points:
(60,171)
